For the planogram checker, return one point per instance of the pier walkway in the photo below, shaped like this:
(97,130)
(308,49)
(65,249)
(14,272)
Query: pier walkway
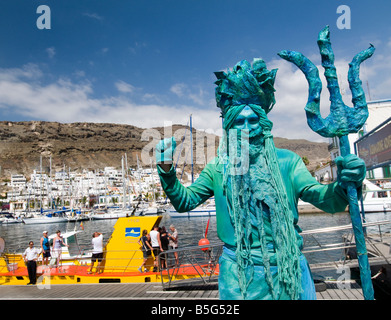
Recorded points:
(144,291)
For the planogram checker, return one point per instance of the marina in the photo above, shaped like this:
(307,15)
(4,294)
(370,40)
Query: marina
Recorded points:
(113,206)
(106,194)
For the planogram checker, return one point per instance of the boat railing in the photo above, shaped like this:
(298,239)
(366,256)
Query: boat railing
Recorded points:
(12,258)
(378,194)
(377,241)
(201,260)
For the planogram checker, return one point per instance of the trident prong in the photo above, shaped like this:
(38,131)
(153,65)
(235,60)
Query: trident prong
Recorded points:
(341,121)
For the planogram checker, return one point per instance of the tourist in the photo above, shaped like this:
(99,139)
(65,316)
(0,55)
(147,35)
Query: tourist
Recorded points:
(256,187)
(58,242)
(30,255)
(97,252)
(173,242)
(155,242)
(164,241)
(144,241)
(45,247)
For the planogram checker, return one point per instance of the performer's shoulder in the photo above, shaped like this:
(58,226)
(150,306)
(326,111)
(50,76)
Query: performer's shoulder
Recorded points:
(286,154)
(213,164)
(213,161)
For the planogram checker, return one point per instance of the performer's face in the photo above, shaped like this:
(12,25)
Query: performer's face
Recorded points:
(247,119)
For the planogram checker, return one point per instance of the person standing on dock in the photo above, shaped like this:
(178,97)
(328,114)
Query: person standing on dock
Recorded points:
(173,243)
(58,242)
(30,255)
(45,247)
(256,188)
(97,252)
(164,242)
(144,241)
(155,242)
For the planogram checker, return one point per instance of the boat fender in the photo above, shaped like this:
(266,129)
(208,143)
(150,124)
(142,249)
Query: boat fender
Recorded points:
(204,242)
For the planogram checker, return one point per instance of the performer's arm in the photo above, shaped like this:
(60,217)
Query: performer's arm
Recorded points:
(186,198)
(330,198)
(183,199)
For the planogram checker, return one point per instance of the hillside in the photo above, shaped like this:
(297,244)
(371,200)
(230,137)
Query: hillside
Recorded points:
(97,145)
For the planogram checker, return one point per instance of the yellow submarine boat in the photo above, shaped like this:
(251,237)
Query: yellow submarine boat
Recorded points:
(121,260)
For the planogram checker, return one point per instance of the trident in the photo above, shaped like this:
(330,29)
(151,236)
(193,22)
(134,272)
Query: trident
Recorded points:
(341,121)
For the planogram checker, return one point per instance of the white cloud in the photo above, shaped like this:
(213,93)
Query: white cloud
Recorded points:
(103,51)
(178,89)
(22,92)
(64,101)
(194,93)
(27,72)
(51,52)
(124,87)
(93,16)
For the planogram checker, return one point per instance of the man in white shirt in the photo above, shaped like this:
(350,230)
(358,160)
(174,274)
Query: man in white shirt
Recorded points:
(97,252)
(30,255)
(155,242)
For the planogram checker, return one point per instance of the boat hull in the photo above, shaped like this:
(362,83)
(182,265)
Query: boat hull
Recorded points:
(192,214)
(79,275)
(105,216)
(121,260)
(378,206)
(44,220)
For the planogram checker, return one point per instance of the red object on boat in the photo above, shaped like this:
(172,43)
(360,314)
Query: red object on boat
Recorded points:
(203,242)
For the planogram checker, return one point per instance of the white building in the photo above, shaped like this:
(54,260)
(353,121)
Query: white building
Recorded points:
(379,111)
(18,181)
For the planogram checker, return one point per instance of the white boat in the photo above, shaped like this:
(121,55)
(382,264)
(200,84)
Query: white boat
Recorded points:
(78,215)
(376,199)
(50,216)
(150,210)
(10,220)
(111,214)
(44,220)
(201,211)
(72,253)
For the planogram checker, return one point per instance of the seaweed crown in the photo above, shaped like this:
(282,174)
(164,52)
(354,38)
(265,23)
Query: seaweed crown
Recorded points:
(246,84)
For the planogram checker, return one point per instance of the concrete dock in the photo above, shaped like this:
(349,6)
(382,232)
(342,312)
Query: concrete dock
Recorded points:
(144,291)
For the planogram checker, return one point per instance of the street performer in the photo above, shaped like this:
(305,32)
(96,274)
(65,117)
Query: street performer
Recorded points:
(256,189)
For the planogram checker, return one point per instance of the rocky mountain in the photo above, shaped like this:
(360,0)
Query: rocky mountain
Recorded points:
(94,146)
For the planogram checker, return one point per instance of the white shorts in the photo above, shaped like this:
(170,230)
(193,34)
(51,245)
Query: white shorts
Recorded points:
(56,253)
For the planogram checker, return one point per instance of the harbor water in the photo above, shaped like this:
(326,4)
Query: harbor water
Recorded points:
(190,231)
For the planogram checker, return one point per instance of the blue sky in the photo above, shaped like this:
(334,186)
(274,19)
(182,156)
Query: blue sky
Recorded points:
(146,62)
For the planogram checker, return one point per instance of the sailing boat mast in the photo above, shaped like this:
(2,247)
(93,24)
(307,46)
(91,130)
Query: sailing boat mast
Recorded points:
(123,183)
(139,176)
(153,183)
(191,150)
(40,182)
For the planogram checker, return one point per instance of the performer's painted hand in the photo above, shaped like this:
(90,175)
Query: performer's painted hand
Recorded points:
(165,150)
(350,169)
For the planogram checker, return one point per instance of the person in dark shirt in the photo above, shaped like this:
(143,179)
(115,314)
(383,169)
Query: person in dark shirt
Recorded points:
(144,242)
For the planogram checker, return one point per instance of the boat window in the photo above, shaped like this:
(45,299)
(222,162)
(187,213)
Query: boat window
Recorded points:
(73,245)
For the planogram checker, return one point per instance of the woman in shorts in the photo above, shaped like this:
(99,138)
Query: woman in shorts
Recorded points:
(144,241)
(58,242)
